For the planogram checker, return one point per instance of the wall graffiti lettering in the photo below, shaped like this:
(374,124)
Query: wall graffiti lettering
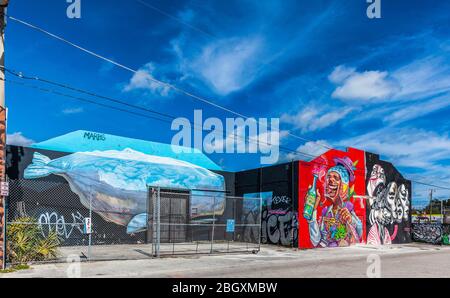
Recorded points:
(279,227)
(94,136)
(429,233)
(251,230)
(281,199)
(279,224)
(52,221)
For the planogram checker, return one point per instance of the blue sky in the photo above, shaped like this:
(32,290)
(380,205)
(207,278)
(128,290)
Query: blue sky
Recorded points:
(327,71)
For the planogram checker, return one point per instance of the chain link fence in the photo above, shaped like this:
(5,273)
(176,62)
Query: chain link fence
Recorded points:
(204,222)
(176,222)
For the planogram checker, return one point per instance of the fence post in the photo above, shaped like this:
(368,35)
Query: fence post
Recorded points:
(260,223)
(90,234)
(153,221)
(158,224)
(214,223)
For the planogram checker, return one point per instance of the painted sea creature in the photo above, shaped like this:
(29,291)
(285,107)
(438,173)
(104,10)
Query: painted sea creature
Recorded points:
(115,183)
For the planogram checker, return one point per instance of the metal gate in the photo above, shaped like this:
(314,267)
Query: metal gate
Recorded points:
(202,222)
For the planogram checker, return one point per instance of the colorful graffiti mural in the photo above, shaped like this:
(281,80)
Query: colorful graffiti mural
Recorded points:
(278,221)
(428,233)
(389,201)
(331,204)
(115,183)
(433,233)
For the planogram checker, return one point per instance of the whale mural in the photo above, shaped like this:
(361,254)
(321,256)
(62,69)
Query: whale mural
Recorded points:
(115,183)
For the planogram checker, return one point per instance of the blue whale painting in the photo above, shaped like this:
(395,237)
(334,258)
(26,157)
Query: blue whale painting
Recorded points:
(116,183)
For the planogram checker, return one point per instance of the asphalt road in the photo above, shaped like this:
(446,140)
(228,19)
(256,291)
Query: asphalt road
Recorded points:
(412,260)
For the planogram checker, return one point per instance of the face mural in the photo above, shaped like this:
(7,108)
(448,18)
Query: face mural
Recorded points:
(329,210)
(388,210)
(403,206)
(115,183)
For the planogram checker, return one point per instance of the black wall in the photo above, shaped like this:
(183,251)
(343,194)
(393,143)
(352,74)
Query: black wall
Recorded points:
(279,218)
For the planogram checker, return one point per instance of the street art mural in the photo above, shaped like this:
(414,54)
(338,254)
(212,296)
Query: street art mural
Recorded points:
(331,207)
(433,233)
(428,233)
(278,213)
(389,203)
(278,221)
(64,227)
(59,191)
(115,183)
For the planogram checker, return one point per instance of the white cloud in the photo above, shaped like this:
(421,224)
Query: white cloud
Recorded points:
(422,78)
(314,118)
(143,79)
(308,150)
(229,65)
(426,153)
(341,73)
(69,111)
(411,148)
(18,139)
(368,85)
(413,111)
(417,80)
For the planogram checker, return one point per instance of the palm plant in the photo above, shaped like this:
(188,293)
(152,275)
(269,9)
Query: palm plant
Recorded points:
(26,242)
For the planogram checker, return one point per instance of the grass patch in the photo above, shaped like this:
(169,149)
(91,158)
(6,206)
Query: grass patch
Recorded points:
(15,268)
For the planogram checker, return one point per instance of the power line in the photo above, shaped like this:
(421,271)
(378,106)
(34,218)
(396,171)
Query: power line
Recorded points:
(170,86)
(429,184)
(81,99)
(65,86)
(148,5)
(246,139)
(23,76)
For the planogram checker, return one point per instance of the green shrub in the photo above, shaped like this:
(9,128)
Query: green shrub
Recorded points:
(26,242)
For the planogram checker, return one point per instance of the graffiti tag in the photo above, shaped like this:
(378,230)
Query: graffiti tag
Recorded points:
(279,227)
(429,233)
(49,222)
(94,136)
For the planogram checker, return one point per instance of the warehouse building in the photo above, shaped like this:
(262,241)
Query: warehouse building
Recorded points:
(340,198)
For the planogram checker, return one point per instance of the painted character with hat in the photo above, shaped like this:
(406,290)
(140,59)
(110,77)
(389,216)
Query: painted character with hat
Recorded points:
(338,224)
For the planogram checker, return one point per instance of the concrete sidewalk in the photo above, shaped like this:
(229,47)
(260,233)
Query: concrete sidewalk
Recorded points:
(411,260)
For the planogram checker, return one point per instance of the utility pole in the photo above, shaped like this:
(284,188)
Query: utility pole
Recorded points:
(3,7)
(431,203)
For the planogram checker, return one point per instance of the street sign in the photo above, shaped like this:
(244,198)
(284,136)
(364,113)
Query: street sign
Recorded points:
(4,188)
(87,225)
(230,225)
